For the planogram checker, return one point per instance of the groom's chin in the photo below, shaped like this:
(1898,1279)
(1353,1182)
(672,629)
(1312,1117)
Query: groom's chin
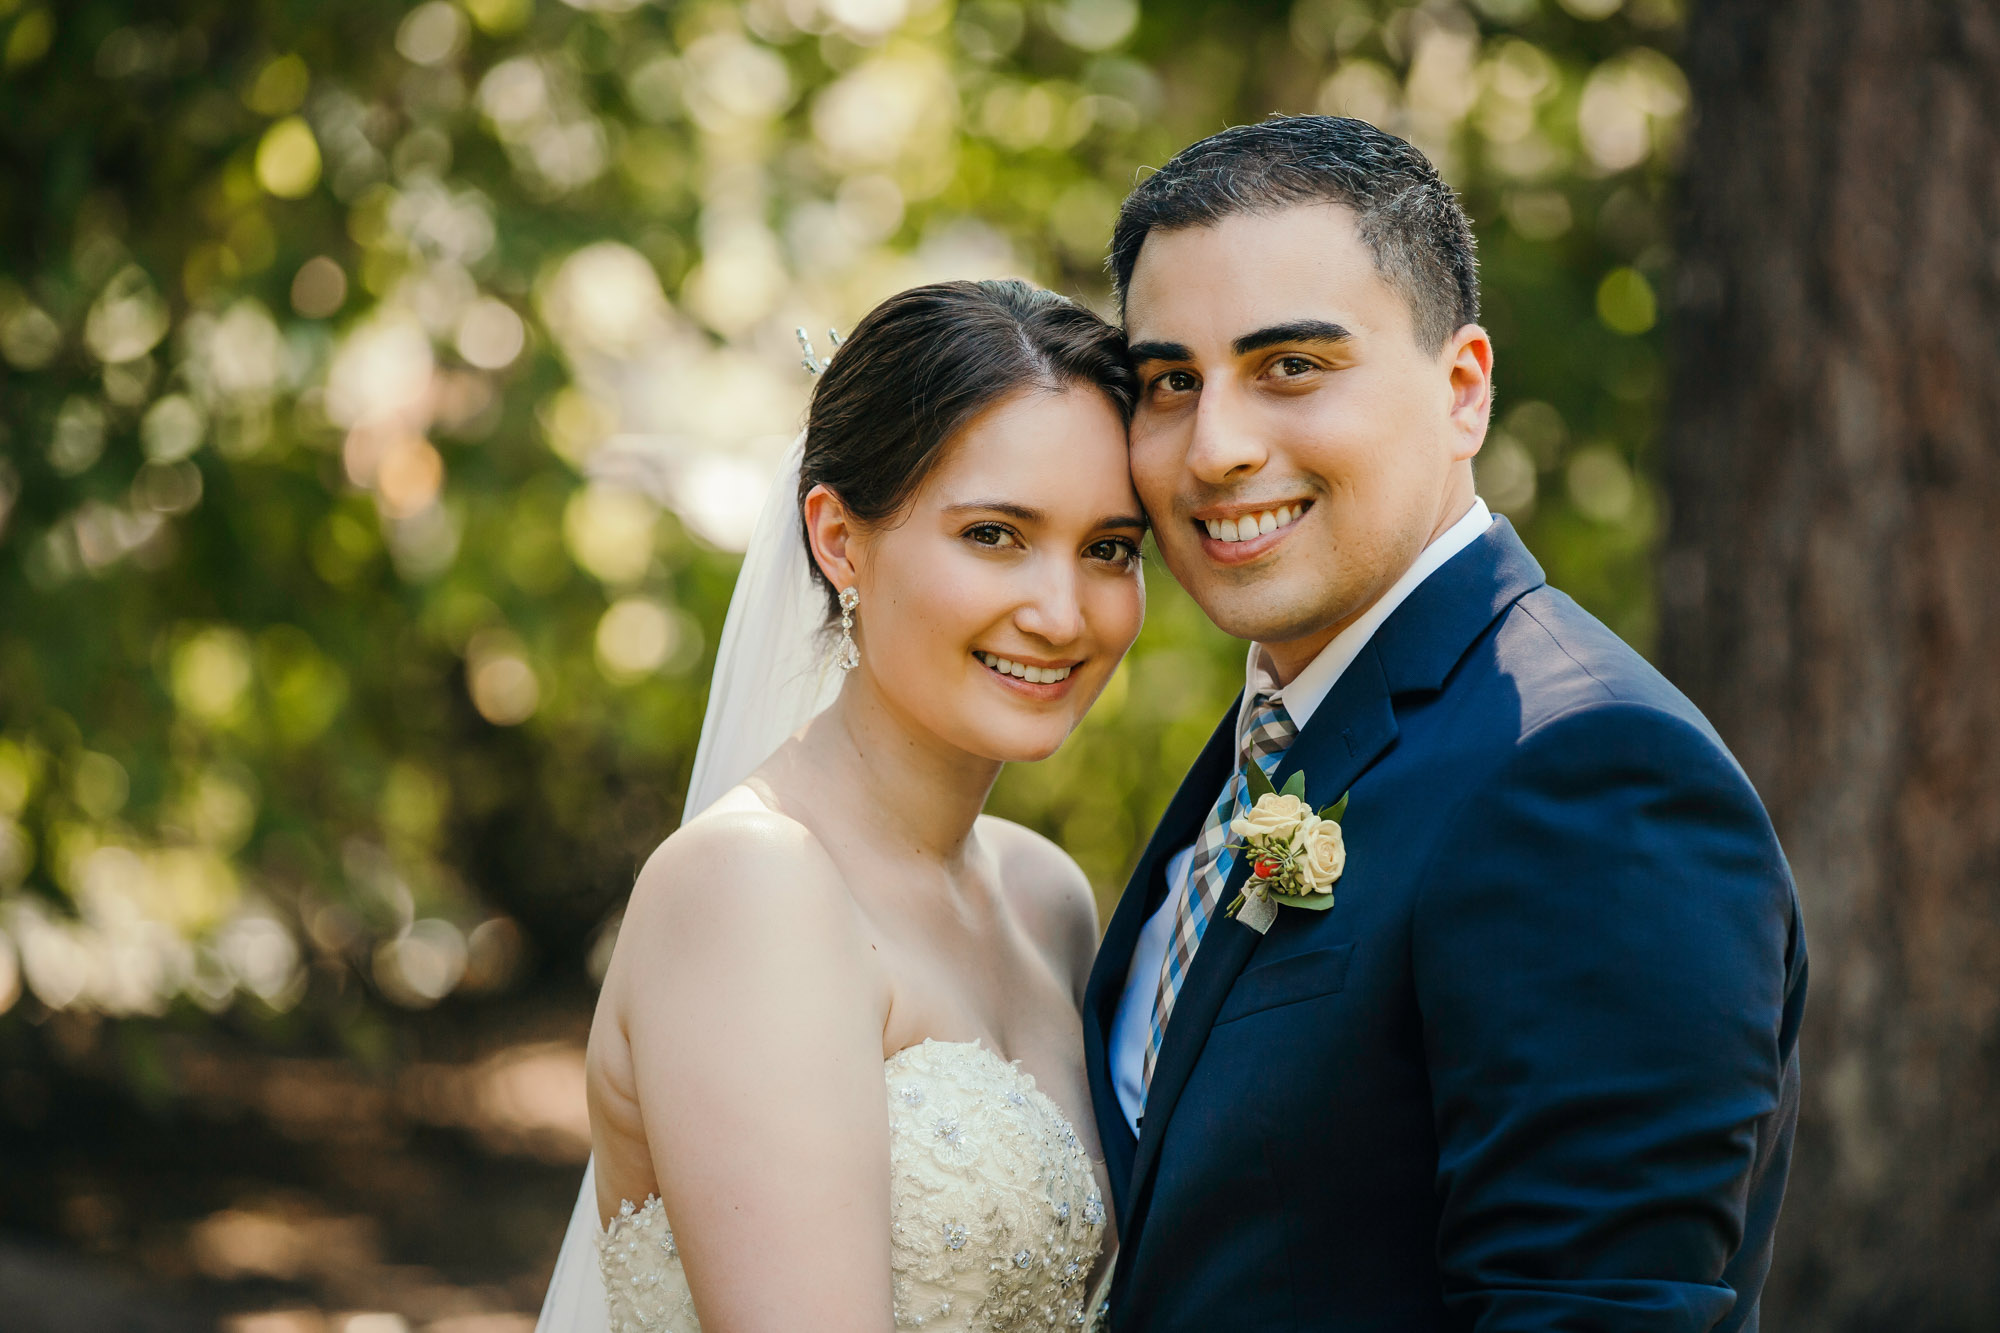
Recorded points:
(1259,603)
(1273,626)
(1269,609)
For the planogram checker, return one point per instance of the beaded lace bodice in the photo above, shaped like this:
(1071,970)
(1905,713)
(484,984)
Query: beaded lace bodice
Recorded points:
(995,1218)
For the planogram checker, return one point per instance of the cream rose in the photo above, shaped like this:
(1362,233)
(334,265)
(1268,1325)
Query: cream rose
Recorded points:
(1274,816)
(1319,853)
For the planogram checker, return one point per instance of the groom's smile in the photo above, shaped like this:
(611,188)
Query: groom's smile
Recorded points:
(1236,534)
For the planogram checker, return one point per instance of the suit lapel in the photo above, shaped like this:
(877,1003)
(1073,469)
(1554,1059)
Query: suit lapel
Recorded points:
(1143,893)
(1352,726)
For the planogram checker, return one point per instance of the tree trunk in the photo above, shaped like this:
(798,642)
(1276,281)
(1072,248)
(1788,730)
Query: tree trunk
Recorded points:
(1830,594)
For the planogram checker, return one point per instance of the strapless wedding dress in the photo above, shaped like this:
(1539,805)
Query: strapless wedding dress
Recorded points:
(995,1218)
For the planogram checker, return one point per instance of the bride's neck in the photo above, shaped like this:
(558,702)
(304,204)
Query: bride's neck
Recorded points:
(901,778)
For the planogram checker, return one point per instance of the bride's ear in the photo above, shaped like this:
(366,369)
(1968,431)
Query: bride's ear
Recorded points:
(831,531)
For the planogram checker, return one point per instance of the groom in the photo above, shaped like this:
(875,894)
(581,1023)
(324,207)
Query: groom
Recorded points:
(1536,1068)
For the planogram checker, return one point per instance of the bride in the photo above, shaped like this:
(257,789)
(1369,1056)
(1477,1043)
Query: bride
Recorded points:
(838,1044)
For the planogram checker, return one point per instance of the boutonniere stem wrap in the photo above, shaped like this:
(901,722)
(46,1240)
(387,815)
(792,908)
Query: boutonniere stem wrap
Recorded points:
(1296,853)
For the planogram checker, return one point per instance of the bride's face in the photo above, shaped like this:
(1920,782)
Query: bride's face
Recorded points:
(998,607)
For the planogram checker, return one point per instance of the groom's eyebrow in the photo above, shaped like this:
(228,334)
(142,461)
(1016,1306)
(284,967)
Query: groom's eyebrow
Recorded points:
(1297,331)
(1159,351)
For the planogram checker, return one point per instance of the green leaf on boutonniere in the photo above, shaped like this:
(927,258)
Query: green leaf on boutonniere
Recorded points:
(1314,902)
(1337,809)
(1295,785)
(1260,785)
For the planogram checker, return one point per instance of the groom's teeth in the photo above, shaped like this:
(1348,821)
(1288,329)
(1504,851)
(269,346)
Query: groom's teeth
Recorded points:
(1253,525)
(1032,674)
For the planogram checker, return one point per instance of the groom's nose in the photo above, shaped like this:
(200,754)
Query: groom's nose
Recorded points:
(1225,446)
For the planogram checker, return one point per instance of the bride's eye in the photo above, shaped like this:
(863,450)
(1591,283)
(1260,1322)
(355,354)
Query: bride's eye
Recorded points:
(992,534)
(1114,550)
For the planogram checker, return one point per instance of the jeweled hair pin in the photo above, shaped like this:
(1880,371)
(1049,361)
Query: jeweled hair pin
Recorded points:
(811,360)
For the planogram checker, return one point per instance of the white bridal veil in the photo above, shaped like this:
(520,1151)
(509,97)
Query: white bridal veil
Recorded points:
(770,678)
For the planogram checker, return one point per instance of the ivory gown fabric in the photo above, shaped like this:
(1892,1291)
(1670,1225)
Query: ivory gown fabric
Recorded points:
(995,1218)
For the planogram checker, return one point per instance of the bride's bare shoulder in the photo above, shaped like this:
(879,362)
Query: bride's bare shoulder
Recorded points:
(1048,891)
(737,859)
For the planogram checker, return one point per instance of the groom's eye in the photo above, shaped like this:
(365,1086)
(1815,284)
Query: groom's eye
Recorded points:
(1295,365)
(1178,381)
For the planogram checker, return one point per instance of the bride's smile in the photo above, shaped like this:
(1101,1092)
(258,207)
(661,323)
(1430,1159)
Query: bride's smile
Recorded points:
(1025,675)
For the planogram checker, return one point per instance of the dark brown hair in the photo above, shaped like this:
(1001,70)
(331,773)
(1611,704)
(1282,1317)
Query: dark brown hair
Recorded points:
(1409,218)
(922,364)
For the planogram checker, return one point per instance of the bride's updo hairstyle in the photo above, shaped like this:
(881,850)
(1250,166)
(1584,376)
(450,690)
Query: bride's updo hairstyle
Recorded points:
(923,364)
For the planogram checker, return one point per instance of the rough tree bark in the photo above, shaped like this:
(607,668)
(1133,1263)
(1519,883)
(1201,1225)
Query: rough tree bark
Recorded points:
(1831,596)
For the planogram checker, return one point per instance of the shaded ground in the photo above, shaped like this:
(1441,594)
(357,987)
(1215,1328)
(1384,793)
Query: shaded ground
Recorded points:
(254,1193)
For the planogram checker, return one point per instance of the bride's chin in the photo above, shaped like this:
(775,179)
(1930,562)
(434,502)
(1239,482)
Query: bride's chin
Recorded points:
(1000,752)
(1036,754)
(1014,748)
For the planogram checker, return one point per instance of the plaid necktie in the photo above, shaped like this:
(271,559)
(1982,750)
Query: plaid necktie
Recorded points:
(1265,740)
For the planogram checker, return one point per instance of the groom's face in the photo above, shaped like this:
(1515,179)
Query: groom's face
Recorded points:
(1294,445)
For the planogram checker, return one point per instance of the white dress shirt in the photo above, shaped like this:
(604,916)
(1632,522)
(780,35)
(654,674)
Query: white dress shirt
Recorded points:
(1133,1024)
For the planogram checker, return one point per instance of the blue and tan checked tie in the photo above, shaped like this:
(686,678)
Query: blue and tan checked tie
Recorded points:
(1265,740)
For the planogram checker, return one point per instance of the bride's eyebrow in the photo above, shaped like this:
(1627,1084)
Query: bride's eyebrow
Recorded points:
(1024,514)
(1019,512)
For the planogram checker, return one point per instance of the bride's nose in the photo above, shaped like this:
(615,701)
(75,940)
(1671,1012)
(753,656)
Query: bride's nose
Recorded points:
(1052,612)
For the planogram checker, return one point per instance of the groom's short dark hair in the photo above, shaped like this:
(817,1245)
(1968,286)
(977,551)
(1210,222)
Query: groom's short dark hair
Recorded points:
(1409,218)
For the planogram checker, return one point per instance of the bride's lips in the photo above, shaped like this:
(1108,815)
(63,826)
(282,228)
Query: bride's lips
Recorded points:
(1250,548)
(995,664)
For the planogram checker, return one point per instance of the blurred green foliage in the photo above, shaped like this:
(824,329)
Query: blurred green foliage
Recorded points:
(382,388)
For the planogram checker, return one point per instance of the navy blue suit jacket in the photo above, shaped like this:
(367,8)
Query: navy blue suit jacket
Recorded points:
(1536,1069)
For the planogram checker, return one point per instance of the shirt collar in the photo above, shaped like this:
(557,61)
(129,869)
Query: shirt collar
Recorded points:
(1303,695)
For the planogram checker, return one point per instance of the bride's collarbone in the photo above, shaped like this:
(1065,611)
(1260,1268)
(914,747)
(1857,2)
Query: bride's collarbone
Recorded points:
(1015,1007)
(936,958)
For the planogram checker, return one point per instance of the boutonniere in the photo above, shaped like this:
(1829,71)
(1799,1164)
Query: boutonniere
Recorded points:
(1296,852)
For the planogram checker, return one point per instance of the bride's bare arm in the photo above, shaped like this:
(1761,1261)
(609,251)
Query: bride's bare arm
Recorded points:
(754,1015)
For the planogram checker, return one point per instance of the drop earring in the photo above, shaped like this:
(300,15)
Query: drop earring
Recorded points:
(847,654)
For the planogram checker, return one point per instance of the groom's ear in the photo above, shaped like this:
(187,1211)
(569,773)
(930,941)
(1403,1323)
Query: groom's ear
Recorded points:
(830,530)
(1468,357)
